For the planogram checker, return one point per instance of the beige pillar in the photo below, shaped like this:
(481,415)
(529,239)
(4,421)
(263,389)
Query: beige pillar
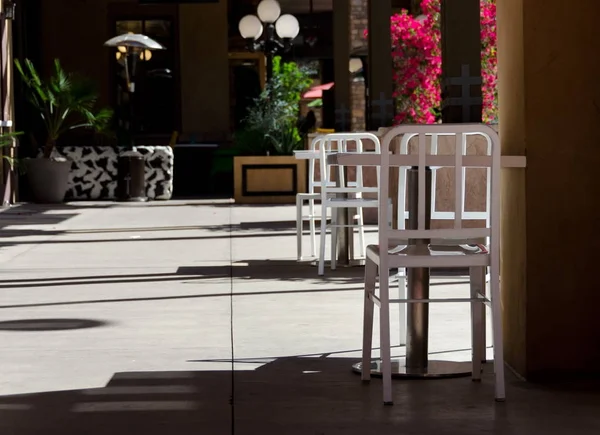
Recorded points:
(204,63)
(461,61)
(549,109)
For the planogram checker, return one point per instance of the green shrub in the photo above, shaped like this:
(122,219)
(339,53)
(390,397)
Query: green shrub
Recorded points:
(270,128)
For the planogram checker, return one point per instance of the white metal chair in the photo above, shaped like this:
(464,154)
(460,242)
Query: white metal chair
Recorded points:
(447,247)
(343,196)
(312,195)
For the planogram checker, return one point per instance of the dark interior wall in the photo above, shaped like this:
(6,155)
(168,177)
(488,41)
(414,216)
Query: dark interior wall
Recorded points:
(74,32)
(27,43)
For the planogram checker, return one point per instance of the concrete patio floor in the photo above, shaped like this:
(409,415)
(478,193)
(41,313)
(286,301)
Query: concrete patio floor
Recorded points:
(187,317)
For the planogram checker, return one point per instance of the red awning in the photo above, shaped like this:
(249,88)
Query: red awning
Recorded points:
(317,91)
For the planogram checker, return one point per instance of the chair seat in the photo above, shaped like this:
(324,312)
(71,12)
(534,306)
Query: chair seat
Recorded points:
(317,197)
(309,195)
(352,202)
(433,255)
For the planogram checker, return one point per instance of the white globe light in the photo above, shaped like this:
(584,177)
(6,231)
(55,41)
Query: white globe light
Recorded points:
(250,27)
(268,11)
(287,26)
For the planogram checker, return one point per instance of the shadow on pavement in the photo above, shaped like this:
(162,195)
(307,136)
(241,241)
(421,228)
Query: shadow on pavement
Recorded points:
(265,270)
(178,297)
(39,214)
(295,396)
(28,325)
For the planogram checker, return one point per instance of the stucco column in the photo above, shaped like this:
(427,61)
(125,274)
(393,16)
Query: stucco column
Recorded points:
(549,99)
(461,61)
(380,107)
(204,70)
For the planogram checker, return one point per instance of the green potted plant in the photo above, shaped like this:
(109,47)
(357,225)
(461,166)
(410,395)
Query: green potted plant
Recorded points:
(65,102)
(265,144)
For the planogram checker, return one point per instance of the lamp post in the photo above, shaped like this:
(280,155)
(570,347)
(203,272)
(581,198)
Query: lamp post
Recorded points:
(281,31)
(132,47)
(131,167)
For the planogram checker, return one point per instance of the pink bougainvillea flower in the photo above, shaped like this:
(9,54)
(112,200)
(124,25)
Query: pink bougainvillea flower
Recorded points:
(417,61)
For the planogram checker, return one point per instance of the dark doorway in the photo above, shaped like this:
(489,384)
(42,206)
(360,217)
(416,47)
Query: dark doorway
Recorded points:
(247,88)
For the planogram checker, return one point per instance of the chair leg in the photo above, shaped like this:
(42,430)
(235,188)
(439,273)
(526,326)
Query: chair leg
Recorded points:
(384,331)
(313,235)
(299,222)
(402,307)
(370,280)
(361,231)
(483,308)
(334,236)
(484,291)
(497,334)
(477,286)
(323,241)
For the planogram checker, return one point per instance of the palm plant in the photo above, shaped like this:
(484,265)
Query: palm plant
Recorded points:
(65,102)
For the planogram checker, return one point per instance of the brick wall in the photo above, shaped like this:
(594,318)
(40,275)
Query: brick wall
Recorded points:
(357,98)
(359,20)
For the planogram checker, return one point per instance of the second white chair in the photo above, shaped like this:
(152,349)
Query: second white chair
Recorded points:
(343,196)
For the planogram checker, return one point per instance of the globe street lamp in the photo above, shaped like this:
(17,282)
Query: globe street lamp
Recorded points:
(281,31)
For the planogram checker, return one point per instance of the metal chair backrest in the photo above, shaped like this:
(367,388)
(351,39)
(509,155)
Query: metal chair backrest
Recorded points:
(314,180)
(343,141)
(460,161)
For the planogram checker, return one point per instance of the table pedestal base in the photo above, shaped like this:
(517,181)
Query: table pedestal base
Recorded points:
(434,370)
(353,263)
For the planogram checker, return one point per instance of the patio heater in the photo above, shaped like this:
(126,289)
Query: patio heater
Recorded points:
(132,47)
(281,31)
